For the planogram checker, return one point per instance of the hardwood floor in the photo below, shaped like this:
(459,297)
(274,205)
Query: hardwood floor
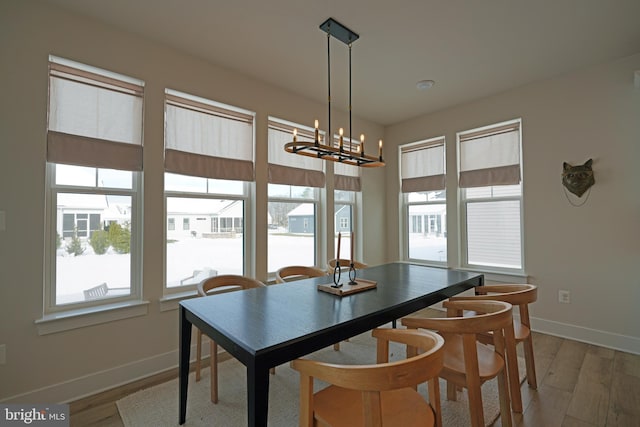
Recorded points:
(580,385)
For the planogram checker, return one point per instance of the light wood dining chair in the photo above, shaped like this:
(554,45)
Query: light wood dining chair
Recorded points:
(296,272)
(518,295)
(344,264)
(382,394)
(467,362)
(212,286)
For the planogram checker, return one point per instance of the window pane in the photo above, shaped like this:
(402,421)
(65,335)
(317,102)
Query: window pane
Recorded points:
(113,178)
(493,230)
(344,196)
(291,191)
(427,228)
(209,243)
(75,175)
(191,184)
(225,186)
(426,196)
(96,267)
(493,191)
(291,238)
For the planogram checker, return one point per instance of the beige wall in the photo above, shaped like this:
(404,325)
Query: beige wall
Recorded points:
(594,250)
(63,365)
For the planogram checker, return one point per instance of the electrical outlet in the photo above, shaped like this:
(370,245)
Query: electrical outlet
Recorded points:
(564,297)
(3,354)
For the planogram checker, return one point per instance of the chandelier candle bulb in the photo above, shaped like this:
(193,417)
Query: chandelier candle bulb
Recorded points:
(341,131)
(362,143)
(295,135)
(380,149)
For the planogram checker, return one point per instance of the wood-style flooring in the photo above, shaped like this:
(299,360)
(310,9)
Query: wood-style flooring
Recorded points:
(580,385)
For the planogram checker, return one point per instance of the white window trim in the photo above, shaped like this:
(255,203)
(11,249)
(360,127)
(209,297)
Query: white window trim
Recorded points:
(89,316)
(462,213)
(178,292)
(51,311)
(318,201)
(403,202)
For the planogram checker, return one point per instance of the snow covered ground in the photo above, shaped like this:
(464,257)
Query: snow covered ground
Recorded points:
(75,274)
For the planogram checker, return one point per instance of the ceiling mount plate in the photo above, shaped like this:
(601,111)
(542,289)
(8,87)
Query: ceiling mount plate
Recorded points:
(339,31)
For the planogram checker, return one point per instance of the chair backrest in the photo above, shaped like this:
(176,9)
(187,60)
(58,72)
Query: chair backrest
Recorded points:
(379,377)
(343,263)
(226,283)
(491,316)
(295,272)
(520,295)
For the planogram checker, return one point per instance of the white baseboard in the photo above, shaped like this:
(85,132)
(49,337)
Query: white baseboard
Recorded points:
(87,385)
(597,337)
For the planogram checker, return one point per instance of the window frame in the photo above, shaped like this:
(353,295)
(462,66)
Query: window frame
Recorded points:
(101,151)
(53,189)
(464,202)
(405,204)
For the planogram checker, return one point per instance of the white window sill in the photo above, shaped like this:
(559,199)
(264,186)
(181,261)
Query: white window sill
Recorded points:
(82,317)
(171,301)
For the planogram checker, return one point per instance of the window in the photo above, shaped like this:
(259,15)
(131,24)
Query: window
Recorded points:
(491,196)
(208,167)
(294,183)
(422,174)
(94,162)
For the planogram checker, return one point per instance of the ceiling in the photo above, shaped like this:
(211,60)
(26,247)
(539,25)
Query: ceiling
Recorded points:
(470,48)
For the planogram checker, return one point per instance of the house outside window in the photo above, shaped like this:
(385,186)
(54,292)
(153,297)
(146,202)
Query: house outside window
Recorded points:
(209,150)
(294,189)
(424,202)
(490,180)
(94,163)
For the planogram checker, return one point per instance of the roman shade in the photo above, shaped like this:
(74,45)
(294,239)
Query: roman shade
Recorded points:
(346,177)
(490,156)
(205,139)
(94,117)
(285,168)
(422,166)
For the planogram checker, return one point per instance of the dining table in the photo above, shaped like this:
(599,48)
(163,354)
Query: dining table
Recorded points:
(268,326)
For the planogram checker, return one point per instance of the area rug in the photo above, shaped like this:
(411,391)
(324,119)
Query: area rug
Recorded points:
(158,406)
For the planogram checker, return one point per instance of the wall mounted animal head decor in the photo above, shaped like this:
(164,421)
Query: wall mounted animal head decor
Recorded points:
(578,179)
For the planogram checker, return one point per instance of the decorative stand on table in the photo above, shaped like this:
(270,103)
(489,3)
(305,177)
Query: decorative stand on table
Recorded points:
(353,285)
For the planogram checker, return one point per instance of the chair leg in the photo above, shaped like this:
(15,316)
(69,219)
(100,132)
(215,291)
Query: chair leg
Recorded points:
(513,376)
(198,354)
(530,362)
(214,371)
(503,393)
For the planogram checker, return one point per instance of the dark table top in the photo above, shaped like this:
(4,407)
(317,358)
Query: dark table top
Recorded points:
(284,321)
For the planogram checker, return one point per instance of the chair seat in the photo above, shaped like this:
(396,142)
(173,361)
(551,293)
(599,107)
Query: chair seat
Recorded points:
(520,331)
(489,362)
(336,406)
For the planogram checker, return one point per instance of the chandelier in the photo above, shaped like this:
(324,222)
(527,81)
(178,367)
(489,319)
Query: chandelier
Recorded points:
(340,152)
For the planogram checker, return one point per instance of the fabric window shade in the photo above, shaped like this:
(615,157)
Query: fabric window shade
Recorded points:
(346,177)
(422,167)
(94,120)
(490,157)
(289,169)
(208,141)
